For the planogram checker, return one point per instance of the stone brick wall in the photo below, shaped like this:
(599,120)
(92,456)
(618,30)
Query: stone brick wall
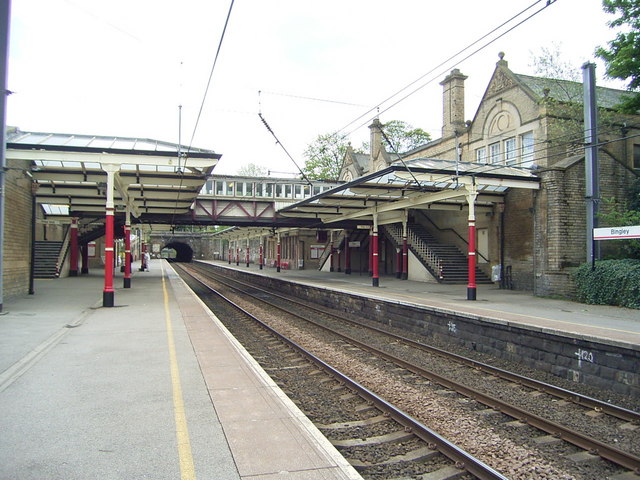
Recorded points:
(518,238)
(603,364)
(17,231)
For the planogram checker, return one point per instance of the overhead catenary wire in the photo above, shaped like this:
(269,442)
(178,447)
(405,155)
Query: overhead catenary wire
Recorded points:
(264,122)
(204,97)
(447,61)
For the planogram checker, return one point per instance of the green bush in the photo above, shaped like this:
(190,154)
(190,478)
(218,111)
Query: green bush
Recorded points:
(612,282)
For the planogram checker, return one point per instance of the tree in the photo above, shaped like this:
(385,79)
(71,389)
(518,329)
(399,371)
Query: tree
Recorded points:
(326,153)
(622,58)
(252,170)
(404,137)
(324,156)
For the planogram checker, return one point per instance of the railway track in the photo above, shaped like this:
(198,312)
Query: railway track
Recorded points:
(392,350)
(372,434)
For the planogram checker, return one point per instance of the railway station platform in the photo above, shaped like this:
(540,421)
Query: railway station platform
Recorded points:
(614,324)
(154,387)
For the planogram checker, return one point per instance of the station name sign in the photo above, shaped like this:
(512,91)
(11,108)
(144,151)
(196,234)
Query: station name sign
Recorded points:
(616,233)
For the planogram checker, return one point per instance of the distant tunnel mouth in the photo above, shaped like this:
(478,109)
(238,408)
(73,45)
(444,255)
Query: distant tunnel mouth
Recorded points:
(183,252)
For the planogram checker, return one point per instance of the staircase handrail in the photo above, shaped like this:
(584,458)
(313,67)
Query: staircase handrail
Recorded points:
(454,232)
(431,259)
(327,251)
(62,255)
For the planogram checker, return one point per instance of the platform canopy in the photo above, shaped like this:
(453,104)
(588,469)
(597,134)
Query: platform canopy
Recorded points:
(422,183)
(151,178)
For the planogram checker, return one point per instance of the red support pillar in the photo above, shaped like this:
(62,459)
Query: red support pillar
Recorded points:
(398,262)
(339,260)
(371,253)
(374,256)
(405,258)
(142,259)
(84,250)
(332,253)
(230,254)
(108,292)
(127,255)
(261,253)
(347,254)
(247,255)
(237,256)
(278,252)
(73,260)
(471,287)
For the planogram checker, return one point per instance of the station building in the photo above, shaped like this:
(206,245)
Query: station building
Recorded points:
(535,124)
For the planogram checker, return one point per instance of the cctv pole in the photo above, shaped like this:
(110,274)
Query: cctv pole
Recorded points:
(5,13)
(592,171)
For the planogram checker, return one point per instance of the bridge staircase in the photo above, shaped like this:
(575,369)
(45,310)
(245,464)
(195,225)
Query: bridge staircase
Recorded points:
(45,263)
(446,263)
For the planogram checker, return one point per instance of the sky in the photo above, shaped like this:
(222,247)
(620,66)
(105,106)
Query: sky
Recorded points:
(123,67)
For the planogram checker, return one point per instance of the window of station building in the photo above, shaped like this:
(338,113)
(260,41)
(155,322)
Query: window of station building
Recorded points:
(229,190)
(317,190)
(268,192)
(279,190)
(481,155)
(244,189)
(207,188)
(306,191)
(526,146)
(494,152)
(288,191)
(297,191)
(510,151)
(636,156)
(219,187)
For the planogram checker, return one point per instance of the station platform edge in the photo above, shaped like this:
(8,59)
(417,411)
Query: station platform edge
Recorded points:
(154,387)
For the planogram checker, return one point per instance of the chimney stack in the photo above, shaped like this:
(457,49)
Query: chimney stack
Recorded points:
(376,137)
(453,103)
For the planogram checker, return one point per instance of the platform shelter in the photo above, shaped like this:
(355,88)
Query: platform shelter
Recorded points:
(85,177)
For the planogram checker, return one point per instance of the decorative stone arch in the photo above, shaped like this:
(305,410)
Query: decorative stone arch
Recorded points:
(503,119)
(347,176)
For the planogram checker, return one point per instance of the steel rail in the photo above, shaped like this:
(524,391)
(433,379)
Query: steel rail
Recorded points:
(559,392)
(595,447)
(462,459)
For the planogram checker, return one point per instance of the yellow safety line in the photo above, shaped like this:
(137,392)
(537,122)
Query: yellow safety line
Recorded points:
(187,470)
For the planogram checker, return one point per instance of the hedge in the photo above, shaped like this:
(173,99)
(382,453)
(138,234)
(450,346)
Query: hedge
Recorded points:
(612,282)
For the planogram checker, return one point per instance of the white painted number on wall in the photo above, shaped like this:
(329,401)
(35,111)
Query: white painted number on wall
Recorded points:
(452,327)
(584,355)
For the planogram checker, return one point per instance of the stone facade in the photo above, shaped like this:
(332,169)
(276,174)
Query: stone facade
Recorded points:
(533,123)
